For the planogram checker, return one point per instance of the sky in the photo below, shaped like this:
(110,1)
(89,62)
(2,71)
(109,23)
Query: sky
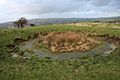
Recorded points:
(11,10)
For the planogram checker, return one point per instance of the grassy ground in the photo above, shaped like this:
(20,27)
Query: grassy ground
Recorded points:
(85,68)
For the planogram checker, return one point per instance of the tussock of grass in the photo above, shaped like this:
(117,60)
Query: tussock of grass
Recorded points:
(69,41)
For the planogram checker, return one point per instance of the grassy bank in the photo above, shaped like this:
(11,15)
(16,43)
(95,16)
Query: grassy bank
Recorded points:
(85,68)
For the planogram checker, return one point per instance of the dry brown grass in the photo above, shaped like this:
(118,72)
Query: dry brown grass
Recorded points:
(69,41)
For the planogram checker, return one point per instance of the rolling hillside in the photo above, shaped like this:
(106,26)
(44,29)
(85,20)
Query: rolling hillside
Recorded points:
(60,21)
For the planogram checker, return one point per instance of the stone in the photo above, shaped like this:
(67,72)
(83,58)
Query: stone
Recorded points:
(14,55)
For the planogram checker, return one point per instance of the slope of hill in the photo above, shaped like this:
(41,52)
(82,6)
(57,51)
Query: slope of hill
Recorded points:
(59,21)
(21,65)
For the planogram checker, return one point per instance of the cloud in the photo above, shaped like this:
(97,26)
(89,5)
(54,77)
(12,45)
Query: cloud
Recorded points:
(62,6)
(100,2)
(48,6)
(59,8)
(3,1)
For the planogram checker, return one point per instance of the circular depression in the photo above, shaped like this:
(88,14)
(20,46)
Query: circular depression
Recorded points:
(103,49)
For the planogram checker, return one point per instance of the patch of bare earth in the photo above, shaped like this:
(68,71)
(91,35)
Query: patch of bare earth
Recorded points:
(68,41)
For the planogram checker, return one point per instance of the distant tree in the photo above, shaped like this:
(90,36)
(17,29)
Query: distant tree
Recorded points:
(21,22)
(32,24)
(16,24)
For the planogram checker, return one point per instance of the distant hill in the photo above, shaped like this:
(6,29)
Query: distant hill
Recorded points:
(7,24)
(60,21)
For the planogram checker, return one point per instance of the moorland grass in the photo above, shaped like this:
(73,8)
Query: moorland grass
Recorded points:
(86,68)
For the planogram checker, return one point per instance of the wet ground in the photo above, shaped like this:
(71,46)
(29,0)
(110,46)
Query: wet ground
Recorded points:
(104,49)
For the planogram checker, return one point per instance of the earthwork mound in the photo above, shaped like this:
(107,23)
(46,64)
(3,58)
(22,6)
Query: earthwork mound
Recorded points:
(68,41)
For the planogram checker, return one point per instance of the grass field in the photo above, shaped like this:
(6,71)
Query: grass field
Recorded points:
(85,68)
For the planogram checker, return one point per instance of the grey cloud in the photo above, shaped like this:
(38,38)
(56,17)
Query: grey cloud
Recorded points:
(56,6)
(100,2)
(115,4)
(63,6)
